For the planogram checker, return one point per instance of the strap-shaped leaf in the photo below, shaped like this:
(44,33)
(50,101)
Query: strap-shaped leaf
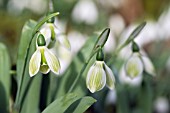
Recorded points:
(4,79)
(32,98)
(22,59)
(84,104)
(61,104)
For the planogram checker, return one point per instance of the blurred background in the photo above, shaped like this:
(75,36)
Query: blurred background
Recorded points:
(80,19)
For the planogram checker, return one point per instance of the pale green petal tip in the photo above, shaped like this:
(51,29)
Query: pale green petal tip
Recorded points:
(34,63)
(44,69)
(52,61)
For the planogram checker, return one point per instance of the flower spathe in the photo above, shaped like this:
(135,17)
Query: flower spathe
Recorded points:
(43,60)
(98,76)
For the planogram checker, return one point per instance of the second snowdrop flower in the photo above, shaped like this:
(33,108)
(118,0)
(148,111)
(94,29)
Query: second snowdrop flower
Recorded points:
(43,59)
(53,34)
(99,75)
(134,66)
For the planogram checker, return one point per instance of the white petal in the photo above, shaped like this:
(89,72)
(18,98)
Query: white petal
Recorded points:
(34,64)
(134,66)
(64,41)
(52,61)
(110,79)
(149,67)
(44,69)
(96,77)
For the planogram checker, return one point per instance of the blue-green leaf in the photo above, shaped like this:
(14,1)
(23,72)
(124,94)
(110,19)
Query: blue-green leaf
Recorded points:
(4,79)
(22,60)
(61,104)
(84,104)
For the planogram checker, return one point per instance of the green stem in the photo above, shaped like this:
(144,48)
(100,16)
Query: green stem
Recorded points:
(82,70)
(114,56)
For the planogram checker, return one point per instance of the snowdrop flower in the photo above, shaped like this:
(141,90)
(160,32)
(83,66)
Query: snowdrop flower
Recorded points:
(43,59)
(53,34)
(134,66)
(137,63)
(99,75)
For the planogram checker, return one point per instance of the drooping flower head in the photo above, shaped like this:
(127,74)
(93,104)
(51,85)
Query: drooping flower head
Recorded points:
(99,75)
(53,34)
(134,66)
(43,59)
(137,63)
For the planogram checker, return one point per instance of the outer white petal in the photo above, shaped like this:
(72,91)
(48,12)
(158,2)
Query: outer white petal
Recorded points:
(34,64)
(64,41)
(52,61)
(110,79)
(149,67)
(96,77)
(44,69)
(134,66)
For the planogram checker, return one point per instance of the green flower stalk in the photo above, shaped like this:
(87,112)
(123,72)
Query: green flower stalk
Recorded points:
(43,59)
(99,75)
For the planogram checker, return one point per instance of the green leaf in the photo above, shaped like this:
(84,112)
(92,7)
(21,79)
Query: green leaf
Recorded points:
(32,99)
(22,60)
(61,104)
(4,79)
(84,104)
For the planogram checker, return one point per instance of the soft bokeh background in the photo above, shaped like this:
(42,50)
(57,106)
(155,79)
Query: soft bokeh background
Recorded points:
(80,19)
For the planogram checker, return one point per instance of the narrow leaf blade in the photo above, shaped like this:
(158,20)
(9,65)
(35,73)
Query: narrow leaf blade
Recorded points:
(84,104)
(4,79)
(61,104)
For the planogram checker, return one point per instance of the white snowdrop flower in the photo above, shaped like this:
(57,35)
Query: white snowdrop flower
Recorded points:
(53,34)
(98,76)
(134,66)
(43,59)
(161,105)
(85,11)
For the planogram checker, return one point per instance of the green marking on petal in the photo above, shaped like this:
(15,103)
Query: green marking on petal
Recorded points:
(34,64)
(44,69)
(43,60)
(52,61)
(110,79)
(96,77)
